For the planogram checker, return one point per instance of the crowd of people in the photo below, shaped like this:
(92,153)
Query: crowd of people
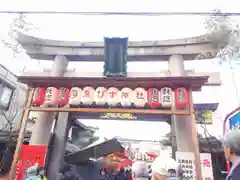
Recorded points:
(160,169)
(166,168)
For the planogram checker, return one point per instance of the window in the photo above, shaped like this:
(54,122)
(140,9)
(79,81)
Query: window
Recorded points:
(6,93)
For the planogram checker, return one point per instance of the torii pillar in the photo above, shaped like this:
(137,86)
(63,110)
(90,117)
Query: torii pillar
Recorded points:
(184,127)
(42,128)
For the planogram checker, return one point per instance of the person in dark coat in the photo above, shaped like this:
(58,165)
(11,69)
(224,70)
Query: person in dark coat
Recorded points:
(231,143)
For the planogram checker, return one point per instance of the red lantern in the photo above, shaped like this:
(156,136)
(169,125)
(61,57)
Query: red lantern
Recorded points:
(39,96)
(181,97)
(153,97)
(63,95)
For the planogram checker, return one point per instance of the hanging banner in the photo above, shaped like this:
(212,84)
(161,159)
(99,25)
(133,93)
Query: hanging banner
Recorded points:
(121,116)
(200,115)
(29,156)
(206,166)
(204,116)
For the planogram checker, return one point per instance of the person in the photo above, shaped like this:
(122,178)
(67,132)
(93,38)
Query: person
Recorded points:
(121,175)
(231,144)
(115,172)
(129,174)
(68,171)
(164,168)
(102,174)
(140,171)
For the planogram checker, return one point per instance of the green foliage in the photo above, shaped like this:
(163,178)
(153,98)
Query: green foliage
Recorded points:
(21,24)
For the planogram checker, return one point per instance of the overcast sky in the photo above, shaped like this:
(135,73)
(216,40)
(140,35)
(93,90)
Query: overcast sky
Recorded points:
(136,28)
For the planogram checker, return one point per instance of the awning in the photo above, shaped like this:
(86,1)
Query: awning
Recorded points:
(95,150)
(4,136)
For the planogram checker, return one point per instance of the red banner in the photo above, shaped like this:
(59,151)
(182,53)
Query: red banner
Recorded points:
(30,155)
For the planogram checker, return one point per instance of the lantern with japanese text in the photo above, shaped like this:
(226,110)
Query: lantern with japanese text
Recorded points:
(100,96)
(139,97)
(153,97)
(75,96)
(63,95)
(126,97)
(51,96)
(113,96)
(39,96)
(88,95)
(181,97)
(166,96)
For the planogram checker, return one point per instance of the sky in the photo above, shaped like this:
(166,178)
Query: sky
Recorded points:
(136,28)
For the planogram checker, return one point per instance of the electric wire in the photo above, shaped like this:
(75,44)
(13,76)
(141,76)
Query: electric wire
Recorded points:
(124,13)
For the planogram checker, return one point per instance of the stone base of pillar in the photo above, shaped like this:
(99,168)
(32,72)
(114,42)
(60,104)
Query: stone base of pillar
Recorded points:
(186,138)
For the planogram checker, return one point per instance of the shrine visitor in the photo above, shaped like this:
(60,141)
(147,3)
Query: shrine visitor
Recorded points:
(231,144)
(165,168)
(140,171)
(113,172)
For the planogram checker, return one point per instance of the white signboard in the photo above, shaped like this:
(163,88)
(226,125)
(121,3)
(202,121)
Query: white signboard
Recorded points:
(187,162)
(206,166)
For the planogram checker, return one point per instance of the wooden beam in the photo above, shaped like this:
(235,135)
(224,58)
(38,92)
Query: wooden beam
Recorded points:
(194,141)
(12,172)
(111,110)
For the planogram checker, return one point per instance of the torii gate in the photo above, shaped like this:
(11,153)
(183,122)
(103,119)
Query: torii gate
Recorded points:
(174,51)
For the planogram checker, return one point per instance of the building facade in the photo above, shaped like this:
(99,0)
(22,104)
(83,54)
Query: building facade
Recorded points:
(12,99)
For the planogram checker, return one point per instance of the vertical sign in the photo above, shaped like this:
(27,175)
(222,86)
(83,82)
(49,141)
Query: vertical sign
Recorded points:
(187,162)
(206,166)
(29,156)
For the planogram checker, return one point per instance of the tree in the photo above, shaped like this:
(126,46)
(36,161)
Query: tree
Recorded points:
(19,23)
(225,35)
